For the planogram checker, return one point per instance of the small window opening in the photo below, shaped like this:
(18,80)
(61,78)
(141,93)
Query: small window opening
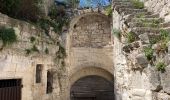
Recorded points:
(49,82)
(39,73)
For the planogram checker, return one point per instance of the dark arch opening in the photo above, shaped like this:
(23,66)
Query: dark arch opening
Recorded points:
(92,88)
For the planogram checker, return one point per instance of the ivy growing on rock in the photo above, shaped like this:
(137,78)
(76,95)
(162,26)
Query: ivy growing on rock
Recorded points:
(8,36)
(160,66)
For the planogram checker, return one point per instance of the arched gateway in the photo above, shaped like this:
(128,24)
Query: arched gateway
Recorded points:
(92,83)
(92,88)
(90,58)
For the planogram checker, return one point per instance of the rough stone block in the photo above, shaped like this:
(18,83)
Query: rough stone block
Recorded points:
(153,76)
(165,80)
(163,96)
(144,38)
(141,60)
(138,92)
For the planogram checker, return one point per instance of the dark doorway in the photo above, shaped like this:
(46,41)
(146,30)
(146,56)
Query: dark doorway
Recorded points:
(92,88)
(10,89)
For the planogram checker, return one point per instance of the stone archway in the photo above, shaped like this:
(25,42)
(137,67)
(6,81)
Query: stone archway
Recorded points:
(99,81)
(92,88)
(89,45)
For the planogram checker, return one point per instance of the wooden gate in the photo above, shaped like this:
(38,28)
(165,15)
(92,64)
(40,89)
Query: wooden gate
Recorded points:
(10,89)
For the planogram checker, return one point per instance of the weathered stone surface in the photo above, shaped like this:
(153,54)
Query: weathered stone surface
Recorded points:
(91,31)
(165,80)
(163,96)
(142,60)
(153,77)
(144,38)
(138,92)
(168,44)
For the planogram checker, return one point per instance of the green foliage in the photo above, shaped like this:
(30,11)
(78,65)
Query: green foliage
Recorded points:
(8,36)
(35,49)
(29,10)
(160,66)
(57,19)
(153,23)
(10,7)
(165,38)
(154,40)
(117,33)
(31,50)
(130,37)
(148,53)
(45,24)
(137,4)
(61,52)
(165,35)
(109,10)
(46,51)
(141,15)
(28,51)
(32,39)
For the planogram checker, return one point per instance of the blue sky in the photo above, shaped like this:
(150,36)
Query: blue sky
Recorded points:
(93,3)
(90,3)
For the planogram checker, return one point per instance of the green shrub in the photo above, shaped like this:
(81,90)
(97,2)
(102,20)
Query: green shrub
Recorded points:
(61,52)
(154,40)
(137,4)
(31,50)
(165,35)
(117,33)
(8,36)
(140,15)
(28,10)
(130,37)
(32,39)
(148,53)
(28,51)
(161,66)
(46,51)
(109,10)
(34,48)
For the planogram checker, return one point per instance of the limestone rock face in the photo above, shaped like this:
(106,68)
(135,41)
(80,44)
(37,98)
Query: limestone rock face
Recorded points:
(153,76)
(141,60)
(144,38)
(165,80)
(163,96)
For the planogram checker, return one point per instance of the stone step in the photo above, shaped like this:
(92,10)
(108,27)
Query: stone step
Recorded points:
(123,3)
(122,6)
(166,28)
(141,30)
(148,20)
(127,11)
(153,38)
(121,0)
(164,25)
(138,24)
(131,16)
(147,16)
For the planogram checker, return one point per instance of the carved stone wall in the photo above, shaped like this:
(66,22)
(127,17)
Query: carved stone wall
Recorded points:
(15,62)
(91,31)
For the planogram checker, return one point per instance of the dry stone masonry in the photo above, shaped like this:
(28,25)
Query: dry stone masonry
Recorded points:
(143,74)
(130,52)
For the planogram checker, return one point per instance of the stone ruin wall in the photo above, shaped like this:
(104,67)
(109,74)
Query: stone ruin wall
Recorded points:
(16,64)
(146,84)
(89,48)
(161,7)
